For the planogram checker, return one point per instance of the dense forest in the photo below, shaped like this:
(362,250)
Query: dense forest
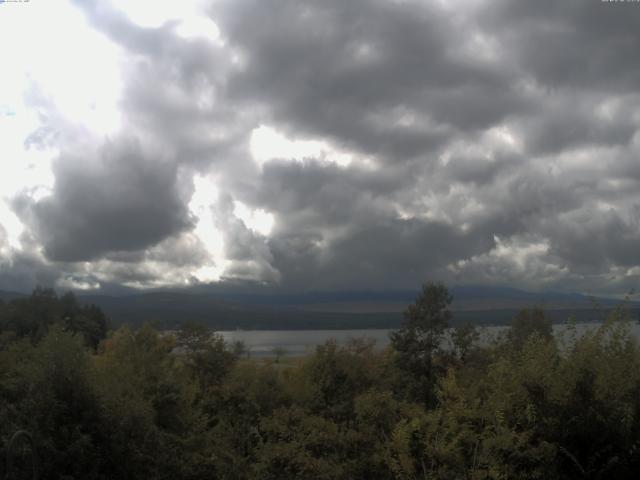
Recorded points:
(437,404)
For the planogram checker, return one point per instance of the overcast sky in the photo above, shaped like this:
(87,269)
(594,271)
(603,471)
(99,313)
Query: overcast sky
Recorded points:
(320,145)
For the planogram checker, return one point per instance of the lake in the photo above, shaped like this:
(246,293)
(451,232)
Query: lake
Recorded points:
(262,343)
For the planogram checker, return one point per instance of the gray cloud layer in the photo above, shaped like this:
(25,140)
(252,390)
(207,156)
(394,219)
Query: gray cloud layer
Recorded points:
(492,142)
(121,201)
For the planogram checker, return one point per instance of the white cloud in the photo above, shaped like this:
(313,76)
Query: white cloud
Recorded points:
(197,26)
(204,198)
(157,13)
(267,143)
(257,219)
(75,283)
(49,48)
(50,44)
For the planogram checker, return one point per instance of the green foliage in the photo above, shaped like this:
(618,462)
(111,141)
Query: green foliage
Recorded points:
(420,338)
(463,340)
(46,390)
(297,445)
(529,322)
(33,316)
(334,376)
(206,355)
(233,412)
(146,404)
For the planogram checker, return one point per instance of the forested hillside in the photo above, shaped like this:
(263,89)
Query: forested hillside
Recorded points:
(141,404)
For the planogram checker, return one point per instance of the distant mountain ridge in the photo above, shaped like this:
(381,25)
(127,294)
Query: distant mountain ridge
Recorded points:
(459,293)
(328,310)
(7,295)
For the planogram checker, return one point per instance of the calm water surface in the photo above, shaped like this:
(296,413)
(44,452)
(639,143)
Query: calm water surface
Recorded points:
(262,343)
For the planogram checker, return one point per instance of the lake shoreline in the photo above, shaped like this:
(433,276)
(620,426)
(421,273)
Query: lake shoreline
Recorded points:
(302,342)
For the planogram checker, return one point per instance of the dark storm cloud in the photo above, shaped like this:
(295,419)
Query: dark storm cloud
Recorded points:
(573,119)
(21,270)
(121,201)
(589,243)
(325,194)
(383,77)
(176,88)
(491,142)
(575,43)
(247,251)
(26,271)
(390,253)
(375,75)
(338,227)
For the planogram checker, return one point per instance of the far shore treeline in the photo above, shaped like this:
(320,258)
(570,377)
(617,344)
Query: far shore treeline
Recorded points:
(481,306)
(137,403)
